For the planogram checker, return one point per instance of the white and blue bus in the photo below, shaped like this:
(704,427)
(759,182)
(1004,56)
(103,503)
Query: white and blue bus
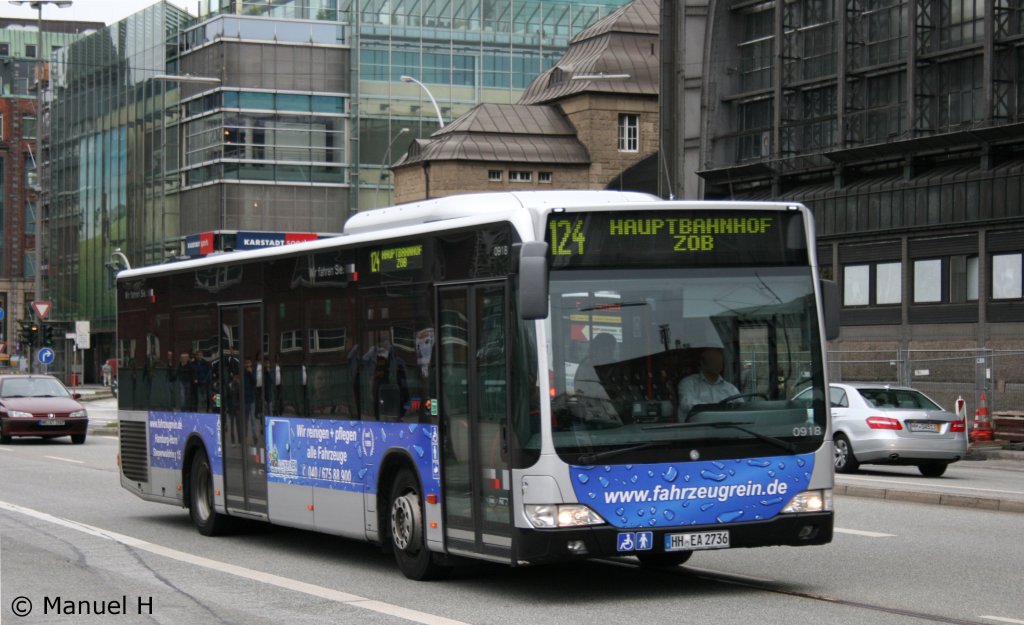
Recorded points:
(507,377)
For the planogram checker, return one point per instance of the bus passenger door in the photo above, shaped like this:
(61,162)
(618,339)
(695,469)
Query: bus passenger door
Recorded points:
(245,479)
(473,339)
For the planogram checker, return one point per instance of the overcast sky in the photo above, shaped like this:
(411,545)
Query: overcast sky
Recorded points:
(107,11)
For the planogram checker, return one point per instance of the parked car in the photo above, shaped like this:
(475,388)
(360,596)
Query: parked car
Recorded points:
(40,405)
(889,424)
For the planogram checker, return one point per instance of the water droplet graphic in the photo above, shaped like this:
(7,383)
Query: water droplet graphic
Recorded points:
(650,473)
(654,510)
(782,466)
(774,501)
(620,511)
(363,472)
(719,465)
(419,450)
(729,517)
(669,515)
(800,462)
(634,479)
(652,522)
(714,477)
(592,495)
(771,474)
(582,478)
(604,481)
(607,469)
(670,474)
(762,464)
(640,513)
(707,507)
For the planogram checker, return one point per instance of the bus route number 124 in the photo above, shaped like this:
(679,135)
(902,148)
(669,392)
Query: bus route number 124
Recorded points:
(567,237)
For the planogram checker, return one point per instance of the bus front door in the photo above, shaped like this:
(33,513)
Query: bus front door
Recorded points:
(473,341)
(245,479)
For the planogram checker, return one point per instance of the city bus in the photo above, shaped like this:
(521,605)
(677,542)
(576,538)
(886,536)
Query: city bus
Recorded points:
(428,381)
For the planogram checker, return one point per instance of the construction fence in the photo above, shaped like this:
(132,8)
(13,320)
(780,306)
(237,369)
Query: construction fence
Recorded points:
(943,375)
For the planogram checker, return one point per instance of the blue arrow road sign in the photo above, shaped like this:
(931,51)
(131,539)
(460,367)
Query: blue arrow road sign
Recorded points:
(45,356)
(1,314)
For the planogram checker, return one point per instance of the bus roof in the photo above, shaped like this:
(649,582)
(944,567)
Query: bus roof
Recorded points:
(455,206)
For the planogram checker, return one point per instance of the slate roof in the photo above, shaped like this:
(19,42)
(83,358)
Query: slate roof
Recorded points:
(625,42)
(503,132)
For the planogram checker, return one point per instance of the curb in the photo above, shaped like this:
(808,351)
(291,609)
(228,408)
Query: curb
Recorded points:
(961,501)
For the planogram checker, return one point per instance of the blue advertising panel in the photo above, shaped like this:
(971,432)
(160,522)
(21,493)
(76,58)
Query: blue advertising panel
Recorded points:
(344,455)
(169,431)
(692,493)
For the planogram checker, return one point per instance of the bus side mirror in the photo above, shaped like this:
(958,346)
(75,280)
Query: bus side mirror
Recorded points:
(533,280)
(830,308)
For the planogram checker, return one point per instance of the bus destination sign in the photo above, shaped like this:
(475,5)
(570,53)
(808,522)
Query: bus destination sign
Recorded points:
(676,238)
(392,259)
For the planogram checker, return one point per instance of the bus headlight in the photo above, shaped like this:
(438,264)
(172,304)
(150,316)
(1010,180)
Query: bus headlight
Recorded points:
(810,501)
(561,515)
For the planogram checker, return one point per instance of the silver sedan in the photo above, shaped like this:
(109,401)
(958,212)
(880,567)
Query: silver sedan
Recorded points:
(887,424)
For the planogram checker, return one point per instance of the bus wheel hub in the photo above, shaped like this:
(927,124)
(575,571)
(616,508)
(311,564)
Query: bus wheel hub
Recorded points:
(405,521)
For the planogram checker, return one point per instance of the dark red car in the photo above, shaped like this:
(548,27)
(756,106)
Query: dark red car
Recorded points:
(39,405)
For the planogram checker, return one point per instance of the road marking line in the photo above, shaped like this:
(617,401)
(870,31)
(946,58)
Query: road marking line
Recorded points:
(64,459)
(238,571)
(1002,619)
(839,530)
(938,491)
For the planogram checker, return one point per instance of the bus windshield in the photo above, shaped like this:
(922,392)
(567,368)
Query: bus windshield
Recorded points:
(681,363)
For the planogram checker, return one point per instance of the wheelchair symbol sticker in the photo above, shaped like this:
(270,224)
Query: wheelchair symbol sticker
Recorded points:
(626,541)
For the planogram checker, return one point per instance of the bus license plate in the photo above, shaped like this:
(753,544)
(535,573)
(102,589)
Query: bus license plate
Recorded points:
(697,540)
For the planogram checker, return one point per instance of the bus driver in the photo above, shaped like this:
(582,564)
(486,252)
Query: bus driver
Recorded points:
(707,386)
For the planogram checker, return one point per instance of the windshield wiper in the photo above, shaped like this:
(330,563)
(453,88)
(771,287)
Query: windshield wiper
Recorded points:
(736,425)
(593,458)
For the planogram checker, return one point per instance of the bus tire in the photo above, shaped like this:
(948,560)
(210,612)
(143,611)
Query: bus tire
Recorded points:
(406,529)
(201,508)
(652,560)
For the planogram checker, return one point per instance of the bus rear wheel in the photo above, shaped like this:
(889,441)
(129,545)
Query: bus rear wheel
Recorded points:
(408,539)
(201,508)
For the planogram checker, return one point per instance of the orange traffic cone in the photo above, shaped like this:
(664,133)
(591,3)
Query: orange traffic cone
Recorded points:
(982,428)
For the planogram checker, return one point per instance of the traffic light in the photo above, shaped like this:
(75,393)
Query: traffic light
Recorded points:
(47,335)
(30,333)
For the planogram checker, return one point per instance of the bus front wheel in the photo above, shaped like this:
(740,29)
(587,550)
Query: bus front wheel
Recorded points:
(201,508)
(408,540)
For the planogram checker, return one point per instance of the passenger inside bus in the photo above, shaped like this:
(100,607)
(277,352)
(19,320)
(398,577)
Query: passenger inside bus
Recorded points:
(707,386)
(601,352)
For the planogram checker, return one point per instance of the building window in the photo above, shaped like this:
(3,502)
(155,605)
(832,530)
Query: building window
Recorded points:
(886,286)
(494,175)
(30,50)
(5,49)
(520,176)
(544,177)
(1006,276)
(1,125)
(856,285)
(927,281)
(629,132)
(888,283)
(963,279)
(28,126)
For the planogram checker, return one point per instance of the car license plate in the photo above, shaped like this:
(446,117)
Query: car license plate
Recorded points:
(917,426)
(52,422)
(697,540)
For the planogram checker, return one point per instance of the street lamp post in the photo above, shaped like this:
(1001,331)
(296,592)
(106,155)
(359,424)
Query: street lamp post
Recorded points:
(440,120)
(38,6)
(385,166)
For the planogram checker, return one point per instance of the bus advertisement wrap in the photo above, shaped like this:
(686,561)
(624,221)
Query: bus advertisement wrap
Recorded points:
(343,455)
(169,431)
(692,493)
